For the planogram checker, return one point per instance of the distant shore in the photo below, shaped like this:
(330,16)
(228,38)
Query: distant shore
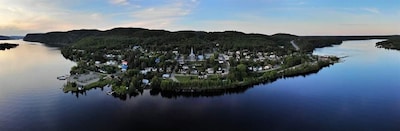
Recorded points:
(391,43)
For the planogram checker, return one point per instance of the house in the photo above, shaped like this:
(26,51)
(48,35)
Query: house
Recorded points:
(124,68)
(200,57)
(165,76)
(111,62)
(158,60)
(226,57)
(210,70)
(136,47)
(267,67)
(202,76)
(185,67)
(208,55)
(169,69)
(144,72)
(146,82)
(230,53)
(237,52)
(125,62)
(102,71)
(194,72)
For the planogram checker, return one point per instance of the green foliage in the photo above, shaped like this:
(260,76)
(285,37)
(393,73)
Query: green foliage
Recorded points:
(238,73)
(135,82)
(100,83)
(292,61)
(155,82)
(109,69)
(120,90)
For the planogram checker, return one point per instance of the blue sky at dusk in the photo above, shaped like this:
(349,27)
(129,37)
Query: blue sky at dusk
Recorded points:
(301,17)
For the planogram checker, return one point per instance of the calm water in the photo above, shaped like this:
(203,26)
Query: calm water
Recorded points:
(361,93)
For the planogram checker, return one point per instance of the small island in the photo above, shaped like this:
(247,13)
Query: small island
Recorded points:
(6,46)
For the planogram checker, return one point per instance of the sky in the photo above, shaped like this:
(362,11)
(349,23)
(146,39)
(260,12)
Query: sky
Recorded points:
(300,17)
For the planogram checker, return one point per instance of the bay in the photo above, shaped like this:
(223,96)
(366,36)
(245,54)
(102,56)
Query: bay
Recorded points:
(360,93)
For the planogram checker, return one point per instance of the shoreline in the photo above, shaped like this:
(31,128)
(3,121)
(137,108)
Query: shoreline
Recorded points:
(7,46)
(218,90)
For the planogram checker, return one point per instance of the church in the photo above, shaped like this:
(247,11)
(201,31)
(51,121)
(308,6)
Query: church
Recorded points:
(192,56)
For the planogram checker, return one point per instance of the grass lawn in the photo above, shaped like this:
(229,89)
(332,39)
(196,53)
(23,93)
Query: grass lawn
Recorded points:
(186,78)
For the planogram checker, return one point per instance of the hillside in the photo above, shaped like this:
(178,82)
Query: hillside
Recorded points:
(391,43)
(161,40)
(60,38)
(4,38)
(200,40)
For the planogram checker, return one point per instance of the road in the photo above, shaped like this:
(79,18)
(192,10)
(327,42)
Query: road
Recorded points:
(276,68)
(173,78)
(294,45)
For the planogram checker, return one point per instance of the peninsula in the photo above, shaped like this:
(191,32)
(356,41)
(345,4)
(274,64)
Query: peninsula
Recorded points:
(392,43)
(130,59)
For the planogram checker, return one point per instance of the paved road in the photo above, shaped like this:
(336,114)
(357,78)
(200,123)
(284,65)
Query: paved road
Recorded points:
(84,79)
(173,78)
(276,68)
(294,45)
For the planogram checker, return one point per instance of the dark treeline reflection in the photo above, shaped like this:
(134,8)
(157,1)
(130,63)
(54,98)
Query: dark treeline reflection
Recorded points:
(187,94)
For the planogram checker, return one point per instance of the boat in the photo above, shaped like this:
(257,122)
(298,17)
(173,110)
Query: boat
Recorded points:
(110,92)
(62,77)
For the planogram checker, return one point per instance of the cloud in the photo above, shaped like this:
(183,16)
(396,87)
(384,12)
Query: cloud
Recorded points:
(119,2)
(29,16)
(161,12)
(164,16)
(19,18)
(291,16)
(372,10)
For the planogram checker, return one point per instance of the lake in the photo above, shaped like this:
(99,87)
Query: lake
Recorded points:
(360,93)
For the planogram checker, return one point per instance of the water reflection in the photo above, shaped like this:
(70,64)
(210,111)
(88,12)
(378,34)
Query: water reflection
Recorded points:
(174,95)
(27,57)
(357,94)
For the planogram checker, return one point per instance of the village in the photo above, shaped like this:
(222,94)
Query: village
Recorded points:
(172,66)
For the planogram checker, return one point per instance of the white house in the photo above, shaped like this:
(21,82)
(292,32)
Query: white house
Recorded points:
(210,71)
(146,82)
(165,76)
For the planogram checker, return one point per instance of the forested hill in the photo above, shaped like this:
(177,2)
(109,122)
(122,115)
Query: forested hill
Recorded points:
(309,43)
(163,40)
(167,40)
(391,43)
(60,38)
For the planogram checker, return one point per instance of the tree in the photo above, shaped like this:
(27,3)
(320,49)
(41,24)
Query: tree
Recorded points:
(135,82)
(241,71)
(155,82)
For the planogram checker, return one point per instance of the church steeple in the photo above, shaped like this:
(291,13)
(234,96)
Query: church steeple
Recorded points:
(192,56)
(191,52)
